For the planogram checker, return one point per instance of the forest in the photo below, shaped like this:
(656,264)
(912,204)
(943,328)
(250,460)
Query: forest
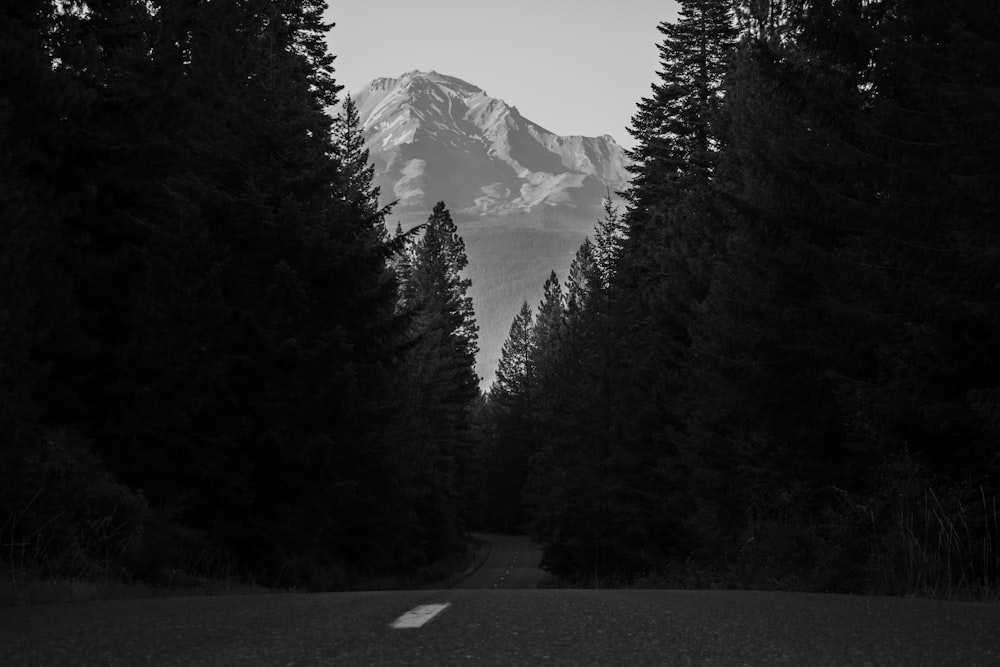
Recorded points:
(214,357)
(777,366)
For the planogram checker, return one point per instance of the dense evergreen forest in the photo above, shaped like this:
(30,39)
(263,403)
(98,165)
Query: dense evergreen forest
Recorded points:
(779,365)
(212,355)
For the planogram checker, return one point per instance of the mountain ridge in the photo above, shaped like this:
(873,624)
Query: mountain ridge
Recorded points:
(435,137)
(523,197)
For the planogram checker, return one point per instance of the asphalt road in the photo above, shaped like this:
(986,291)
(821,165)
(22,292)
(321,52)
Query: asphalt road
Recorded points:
(512,563)
(493,626)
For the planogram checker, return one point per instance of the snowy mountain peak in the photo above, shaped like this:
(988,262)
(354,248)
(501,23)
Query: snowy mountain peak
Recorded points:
(436,137)
(382,83)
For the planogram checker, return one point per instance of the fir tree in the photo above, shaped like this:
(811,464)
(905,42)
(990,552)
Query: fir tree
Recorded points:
(357,177)
(510,409)
(439,259)
(550,327)
(579,283)
(672,127)
(443,386)
(513,369)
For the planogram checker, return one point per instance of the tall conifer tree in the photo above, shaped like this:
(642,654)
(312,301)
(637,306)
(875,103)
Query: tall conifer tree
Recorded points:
(443,386)
(672,127)
(512,435)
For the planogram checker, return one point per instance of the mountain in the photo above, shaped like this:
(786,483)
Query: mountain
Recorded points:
(523,197)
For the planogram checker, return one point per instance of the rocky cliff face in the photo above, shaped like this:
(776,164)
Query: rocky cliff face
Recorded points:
(523,197)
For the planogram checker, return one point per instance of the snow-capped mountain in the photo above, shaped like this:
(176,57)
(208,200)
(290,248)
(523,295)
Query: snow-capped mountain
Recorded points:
(523,197)
(435,138)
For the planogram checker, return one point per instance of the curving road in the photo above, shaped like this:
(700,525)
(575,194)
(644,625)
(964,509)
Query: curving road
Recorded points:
(512,563)
(494,626)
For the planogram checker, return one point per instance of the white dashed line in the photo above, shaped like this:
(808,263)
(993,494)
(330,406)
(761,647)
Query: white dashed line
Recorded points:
(419,615)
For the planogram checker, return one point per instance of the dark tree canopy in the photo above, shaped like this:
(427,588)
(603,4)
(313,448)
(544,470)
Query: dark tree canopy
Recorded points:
(782,371)
(201,345)
(777,367)
(672,127)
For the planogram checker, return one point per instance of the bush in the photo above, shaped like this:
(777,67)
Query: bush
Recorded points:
(64,514)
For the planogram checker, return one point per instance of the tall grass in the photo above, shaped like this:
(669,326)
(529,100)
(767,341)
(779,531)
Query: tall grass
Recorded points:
(64,545)
(64,555)
(948,550)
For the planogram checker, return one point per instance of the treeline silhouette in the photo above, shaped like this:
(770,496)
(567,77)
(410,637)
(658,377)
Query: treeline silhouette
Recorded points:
(213,358)
(779,365)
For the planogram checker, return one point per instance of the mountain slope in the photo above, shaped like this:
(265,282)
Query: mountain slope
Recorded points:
(522,196)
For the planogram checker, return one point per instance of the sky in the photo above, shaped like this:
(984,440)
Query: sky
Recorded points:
(572,66)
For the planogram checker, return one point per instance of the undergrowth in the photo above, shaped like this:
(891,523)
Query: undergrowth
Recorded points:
(906,539)
(945,549)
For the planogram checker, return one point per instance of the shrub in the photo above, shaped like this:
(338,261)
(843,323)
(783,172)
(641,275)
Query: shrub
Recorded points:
(64,514)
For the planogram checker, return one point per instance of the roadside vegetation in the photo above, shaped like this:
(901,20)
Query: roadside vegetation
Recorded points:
(777,367)
(218,370)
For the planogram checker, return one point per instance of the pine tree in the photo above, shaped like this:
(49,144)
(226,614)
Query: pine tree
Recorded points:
(672,127)
(609,237)
(358,175)
(631,298)
(810,372)
(510,404)
(261,315)
(439,259)
(66,284)
(548,358)
(514,367)
(550,327)
(443,387)
(579,287)
(669,236)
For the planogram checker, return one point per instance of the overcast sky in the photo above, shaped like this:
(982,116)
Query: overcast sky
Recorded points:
(572,66)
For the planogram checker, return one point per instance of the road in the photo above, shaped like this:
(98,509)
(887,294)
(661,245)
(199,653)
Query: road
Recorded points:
(512,563)
(502,626)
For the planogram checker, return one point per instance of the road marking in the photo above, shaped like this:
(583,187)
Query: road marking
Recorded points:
(419,615)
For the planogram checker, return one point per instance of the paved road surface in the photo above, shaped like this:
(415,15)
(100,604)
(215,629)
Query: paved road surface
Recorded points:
(512,563)
(507,627)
